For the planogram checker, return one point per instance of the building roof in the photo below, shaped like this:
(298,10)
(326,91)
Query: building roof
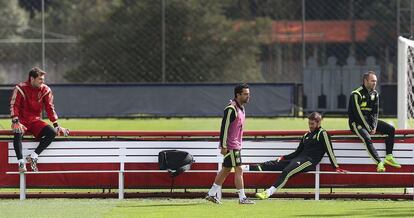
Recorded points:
(318,31)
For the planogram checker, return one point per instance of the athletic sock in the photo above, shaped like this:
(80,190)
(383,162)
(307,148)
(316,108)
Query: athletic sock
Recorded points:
(241,193)
(214,189)
(271,191)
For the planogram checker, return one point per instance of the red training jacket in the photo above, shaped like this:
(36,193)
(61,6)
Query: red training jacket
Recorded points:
(27,103)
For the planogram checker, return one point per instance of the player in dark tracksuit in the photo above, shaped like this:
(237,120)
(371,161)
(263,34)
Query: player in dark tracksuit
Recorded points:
(363,120)
(312,147)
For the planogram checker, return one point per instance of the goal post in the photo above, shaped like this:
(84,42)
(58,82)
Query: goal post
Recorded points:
(405,101)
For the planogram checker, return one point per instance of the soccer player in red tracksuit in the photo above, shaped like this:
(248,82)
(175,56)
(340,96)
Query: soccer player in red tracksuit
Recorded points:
(26,105)
(231,135)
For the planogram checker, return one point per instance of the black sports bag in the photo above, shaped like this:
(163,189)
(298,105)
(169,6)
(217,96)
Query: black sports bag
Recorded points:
(175,161)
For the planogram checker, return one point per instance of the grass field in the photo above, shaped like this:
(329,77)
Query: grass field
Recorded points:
(200,208)
(192,124)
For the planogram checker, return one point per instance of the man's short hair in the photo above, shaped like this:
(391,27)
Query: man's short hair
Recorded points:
(36,72)
(315,116)
(366,75)
(239,88)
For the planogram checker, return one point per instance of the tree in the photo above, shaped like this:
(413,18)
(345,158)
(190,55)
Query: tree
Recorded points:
(382,40)
(273,9)
(67,20)
(202,45)
(13,21)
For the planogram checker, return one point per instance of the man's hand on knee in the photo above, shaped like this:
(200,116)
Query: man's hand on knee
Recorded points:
(60,130)
(17,127)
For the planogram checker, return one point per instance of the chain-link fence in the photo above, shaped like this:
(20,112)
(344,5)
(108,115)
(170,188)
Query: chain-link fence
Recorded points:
(184,41)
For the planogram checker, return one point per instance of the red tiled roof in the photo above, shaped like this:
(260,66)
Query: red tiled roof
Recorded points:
(319,31)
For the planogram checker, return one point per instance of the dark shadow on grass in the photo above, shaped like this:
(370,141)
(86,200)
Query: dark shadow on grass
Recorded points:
(389,211)
(389,208)
(161,205)
(407,214)
(393,212)
(374,212)
(326,215)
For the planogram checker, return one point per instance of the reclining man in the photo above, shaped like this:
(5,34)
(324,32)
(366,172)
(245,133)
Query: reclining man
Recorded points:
(312,148)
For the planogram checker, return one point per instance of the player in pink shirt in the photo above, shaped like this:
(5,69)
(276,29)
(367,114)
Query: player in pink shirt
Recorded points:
(231,134)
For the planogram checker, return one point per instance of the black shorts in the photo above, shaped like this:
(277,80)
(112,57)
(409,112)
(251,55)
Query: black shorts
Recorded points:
(232,159)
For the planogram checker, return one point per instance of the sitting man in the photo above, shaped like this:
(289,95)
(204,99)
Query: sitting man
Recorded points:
(27,102)
(312,148)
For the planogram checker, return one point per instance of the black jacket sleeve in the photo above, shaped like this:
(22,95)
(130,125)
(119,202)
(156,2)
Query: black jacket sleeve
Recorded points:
(354,104)
(325,139)
(297,151)
(228,117)
(375,111)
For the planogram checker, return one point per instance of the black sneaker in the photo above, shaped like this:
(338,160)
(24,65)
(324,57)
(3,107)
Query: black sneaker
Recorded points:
(246,201)
(213,199)
(32,162)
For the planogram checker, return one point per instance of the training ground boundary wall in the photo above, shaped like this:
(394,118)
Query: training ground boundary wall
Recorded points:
(162,100)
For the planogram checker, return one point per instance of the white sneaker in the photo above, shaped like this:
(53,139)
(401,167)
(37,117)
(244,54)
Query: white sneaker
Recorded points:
(32,162)
(213,199)
(246,201)
(22,167)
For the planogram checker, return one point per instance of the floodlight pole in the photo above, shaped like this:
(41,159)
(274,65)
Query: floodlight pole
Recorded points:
(43,36)
(303,36)
(163,40)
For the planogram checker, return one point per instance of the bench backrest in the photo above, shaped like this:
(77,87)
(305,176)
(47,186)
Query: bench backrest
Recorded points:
(345,152)
(203,151)
(116,151)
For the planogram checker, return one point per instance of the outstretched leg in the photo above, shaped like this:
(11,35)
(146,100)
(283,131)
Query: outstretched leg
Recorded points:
(296,165)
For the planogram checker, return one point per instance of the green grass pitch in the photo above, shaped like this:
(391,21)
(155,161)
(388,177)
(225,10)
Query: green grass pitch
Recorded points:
(200,208)
(160,124)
